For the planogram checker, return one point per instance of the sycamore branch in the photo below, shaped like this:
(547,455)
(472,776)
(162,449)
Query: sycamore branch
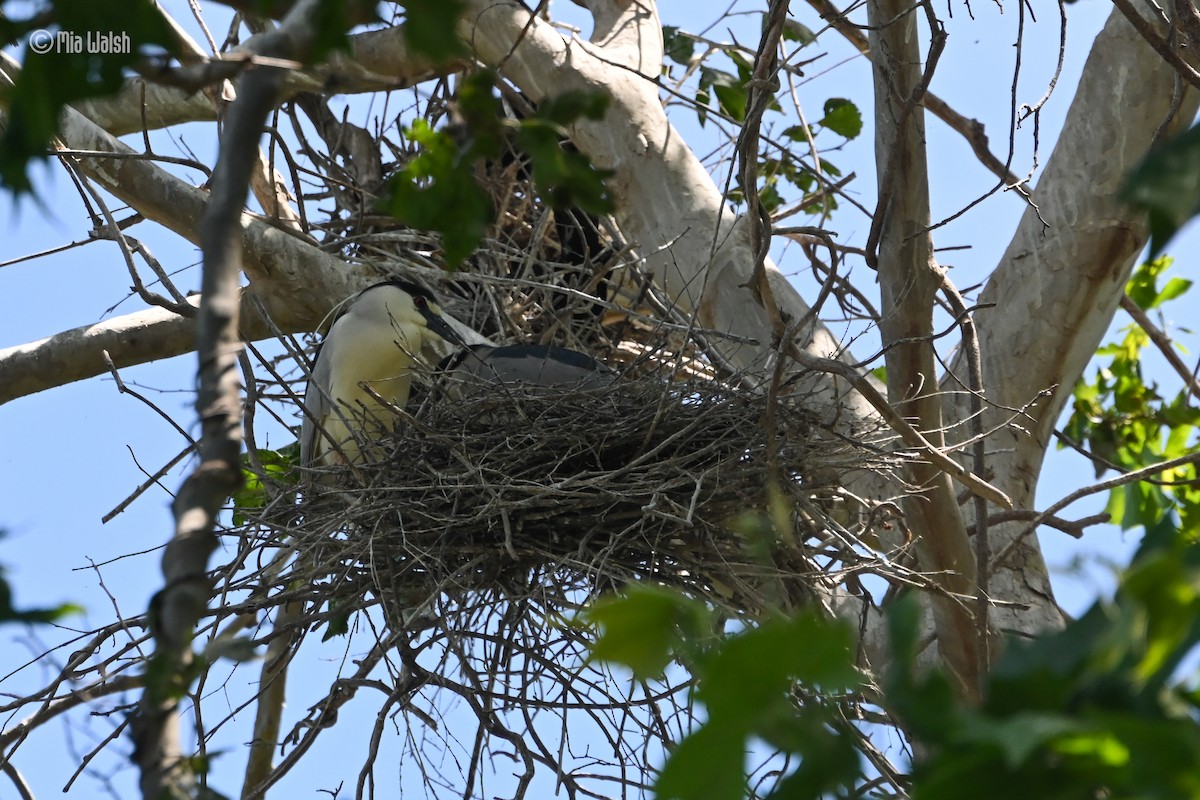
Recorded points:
(377,61)
(1063,274)
(1059,283)
(293,279)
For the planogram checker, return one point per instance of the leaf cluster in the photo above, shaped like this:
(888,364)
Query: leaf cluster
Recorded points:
(278,467)
(1127,424)
(50,80)
(747,684)
(727,92)
(1096,710)
(52,76)
(438,189)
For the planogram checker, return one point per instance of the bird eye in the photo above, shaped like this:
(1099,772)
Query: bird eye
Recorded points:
(420,302)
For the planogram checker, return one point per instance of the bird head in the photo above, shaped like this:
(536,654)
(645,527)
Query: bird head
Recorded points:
(413,315)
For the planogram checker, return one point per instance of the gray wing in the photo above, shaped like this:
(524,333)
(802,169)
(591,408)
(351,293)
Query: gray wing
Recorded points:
(317,408)
(531,365)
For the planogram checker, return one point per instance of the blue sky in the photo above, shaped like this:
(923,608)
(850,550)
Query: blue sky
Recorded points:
(72,454)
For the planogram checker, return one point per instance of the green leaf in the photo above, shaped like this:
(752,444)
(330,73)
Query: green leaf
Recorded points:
(67,73)
(796,133)
(708,765)
(828,759)
(1174,288)
(430,28)
(437,191)
(36,616)
(1020,735)
(338,623)
(843,118)
(679,47)
(796,32)
(252,495)
(730,92)
(333,19)
(1166,184)
(1100,746)
(1115,508)
(1088,711)
(745,67)
(752,671)
(747,683)
(645,628)
(482,117)
(831,170)
(9,613)
(568,107)
(563,175)
(1142,287)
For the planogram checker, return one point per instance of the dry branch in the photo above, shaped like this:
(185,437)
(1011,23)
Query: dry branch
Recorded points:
(909,279)
(187,586)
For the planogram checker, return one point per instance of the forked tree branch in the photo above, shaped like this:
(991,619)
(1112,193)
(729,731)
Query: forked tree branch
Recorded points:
(187,587)
(1058,285)
(294,280)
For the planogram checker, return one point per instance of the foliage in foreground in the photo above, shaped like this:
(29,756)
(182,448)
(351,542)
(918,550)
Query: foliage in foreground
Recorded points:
(1108,707)
(1104,708)
(10,613)
(1126,424)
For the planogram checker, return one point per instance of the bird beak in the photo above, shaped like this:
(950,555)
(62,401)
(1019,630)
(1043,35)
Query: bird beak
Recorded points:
(442,328)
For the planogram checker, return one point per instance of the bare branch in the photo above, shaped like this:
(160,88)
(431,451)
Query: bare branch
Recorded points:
(378,61)
(187,586)
(1060,281)
(911,436)
(909,279)
(11,772)
(1071,527)
(970,129)
(1164,345)
(1160,43)
(1102,486)
(296,281)
(66,702)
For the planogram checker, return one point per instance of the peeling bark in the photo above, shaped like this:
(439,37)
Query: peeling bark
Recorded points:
(1058,285)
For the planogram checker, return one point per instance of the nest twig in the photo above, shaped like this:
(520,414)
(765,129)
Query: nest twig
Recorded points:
(645,481)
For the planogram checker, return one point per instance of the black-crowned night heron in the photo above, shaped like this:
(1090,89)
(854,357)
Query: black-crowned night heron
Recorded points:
(483,367)
(386,328)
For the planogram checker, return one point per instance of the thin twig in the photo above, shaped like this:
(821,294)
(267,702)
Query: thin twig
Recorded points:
(1112,483)
(1164,344)
(911,436)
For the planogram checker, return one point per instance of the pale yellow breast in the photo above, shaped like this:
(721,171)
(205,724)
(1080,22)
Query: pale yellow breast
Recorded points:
(387,370)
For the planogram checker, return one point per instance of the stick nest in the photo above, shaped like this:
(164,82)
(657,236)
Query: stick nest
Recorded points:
(501,490)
